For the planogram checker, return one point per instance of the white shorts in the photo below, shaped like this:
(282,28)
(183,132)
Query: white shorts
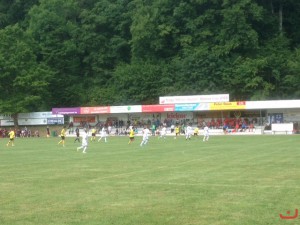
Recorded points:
(145,138)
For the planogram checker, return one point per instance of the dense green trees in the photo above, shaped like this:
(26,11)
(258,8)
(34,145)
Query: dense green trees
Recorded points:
(110,52)
(23,80)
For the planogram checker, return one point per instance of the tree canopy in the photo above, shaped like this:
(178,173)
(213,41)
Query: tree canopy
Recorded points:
(57,53)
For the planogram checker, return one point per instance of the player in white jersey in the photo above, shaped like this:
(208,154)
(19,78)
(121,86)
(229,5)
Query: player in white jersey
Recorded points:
(84,142)
(163,132)
(206,133)
(188,132)
(103,134)
(146,133)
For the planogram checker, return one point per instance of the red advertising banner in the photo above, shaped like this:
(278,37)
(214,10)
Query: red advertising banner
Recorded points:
(158,108)
(89,119)
(95,110)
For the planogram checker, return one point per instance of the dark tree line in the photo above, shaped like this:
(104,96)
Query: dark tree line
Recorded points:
(57,53)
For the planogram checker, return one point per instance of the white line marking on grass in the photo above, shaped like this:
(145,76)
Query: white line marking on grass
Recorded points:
(211,185)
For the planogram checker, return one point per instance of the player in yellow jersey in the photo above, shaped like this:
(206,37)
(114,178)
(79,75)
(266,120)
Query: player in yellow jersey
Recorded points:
(131,135)
(176,131)
(62,136)
(196,131)
(93,138)
(11,135)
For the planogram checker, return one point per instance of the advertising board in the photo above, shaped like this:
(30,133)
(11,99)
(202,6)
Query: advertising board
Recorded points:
(126,109)
(193,99)
(227,105)
(157,108)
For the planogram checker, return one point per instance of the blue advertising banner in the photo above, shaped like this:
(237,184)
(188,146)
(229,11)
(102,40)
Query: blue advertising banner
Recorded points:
(191,107)
(54,121)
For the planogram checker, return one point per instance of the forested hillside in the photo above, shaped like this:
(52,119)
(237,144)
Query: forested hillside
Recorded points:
(56,53)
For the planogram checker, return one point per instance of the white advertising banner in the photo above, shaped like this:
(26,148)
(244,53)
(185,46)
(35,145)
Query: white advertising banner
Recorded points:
(279,104)
(194,99)
(126,109)
(38,115)
(9,122)
(286,127)
(32,121)
(5,117)
(55,120)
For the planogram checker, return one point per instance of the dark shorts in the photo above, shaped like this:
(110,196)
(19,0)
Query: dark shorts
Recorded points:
(11,139)
(93,134)
(62,137)
(131,138)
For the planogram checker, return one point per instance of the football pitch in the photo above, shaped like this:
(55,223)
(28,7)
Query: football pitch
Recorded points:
(234,180)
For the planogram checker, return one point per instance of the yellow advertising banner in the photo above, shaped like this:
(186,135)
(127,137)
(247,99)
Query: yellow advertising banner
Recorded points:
(227,105)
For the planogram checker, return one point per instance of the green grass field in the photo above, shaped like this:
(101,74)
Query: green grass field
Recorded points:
(235,180)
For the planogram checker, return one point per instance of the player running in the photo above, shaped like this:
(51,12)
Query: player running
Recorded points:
(163,133)
(103,134)
(146,133)
(206,133)
(196,131)
(177,131)
(93,138)
(84,142)
(11,135)
(188,132)
(77,135)
(62,136)
(131,135)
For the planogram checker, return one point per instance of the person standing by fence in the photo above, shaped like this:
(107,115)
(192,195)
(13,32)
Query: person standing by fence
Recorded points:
(48,131)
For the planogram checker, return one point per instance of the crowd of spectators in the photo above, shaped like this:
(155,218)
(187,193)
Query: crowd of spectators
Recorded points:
(212,123)
(227,124)
(20,132)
